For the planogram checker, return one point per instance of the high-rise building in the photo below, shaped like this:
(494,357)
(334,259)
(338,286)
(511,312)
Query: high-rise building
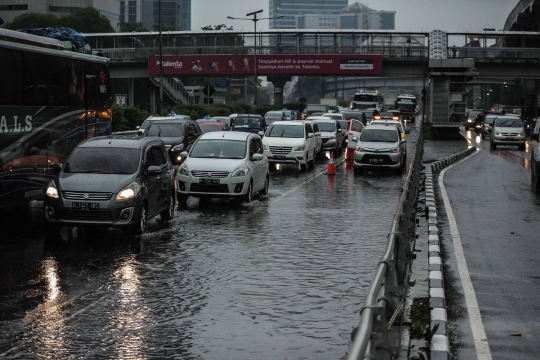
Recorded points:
(175,14)
(290,8)
(355,16)
(10,9)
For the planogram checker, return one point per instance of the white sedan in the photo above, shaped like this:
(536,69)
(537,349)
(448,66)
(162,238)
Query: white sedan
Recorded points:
(224,164)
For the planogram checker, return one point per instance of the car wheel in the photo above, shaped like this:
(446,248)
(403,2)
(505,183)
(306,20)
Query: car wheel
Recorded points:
(493,146)
(521,147)
(140,227)
(247,197)
(311,163)
(168,213)
(181,199)
(52,228)
(303,167)
(358,170)
(264,190)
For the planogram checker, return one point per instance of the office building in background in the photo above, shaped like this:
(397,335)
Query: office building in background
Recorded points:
(290,8)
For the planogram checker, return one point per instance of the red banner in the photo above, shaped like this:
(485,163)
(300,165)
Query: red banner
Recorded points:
(267,65)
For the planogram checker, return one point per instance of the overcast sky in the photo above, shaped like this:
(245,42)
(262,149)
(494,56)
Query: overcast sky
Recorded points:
(411,15)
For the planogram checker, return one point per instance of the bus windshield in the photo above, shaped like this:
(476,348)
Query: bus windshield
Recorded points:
(365,98)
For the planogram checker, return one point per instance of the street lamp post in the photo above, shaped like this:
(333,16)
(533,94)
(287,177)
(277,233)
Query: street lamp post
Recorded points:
(160,63)
(254,19)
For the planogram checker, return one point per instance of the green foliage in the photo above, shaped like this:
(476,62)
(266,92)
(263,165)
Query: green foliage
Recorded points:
(420,318)
(298,106)
(217,27)
(127,118)
(84,20)
(264,108)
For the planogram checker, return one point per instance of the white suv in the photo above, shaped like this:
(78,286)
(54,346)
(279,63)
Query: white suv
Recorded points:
(290,142)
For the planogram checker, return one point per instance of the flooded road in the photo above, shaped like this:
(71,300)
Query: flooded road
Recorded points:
(282,277)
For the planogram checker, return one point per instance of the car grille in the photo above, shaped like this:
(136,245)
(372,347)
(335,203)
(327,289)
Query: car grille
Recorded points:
(280,150)
(367,159)
(509,134)
(324,140)
(86,215)
(210,174)
(81,195)
(378,151)
(222,188)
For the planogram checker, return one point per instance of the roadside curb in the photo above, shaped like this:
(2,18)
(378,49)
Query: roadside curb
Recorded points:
(439,345)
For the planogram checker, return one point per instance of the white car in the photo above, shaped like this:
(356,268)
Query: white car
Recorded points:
(224,164)
(332,134)
(380,146)
(290,142)
(508,130)
(317,133)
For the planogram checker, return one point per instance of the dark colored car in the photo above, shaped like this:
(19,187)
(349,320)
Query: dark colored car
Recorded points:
(112,181)
(475,119)
(252,123)
(178,136)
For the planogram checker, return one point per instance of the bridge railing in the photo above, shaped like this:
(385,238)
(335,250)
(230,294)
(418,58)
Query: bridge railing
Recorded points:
(384,302)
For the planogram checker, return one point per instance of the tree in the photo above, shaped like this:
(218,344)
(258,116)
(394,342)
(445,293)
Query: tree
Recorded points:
(84,20)
(131,26)
(217,27)
(32,21)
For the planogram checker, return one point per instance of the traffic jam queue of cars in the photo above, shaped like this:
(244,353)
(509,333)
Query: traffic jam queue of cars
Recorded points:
(125,179)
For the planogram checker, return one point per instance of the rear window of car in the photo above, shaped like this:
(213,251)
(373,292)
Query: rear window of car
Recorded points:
(211,127)
(103,161)
(247,123)
(378,135)
(326,126)
(344,124)
(166,130)
(509,122)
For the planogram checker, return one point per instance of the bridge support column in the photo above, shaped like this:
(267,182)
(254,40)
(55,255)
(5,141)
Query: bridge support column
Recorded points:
(278,93)
(131,92)
(153,99)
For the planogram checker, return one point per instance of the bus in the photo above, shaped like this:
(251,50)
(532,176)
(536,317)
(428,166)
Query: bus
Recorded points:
(406,104)
(367,100)
(50,100)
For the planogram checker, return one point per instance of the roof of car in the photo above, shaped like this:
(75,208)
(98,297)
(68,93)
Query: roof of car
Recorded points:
(321,118)
(382,127)
(249,115)
(226,135)
(210,123)
(290,122)
(153,118)
(118,141)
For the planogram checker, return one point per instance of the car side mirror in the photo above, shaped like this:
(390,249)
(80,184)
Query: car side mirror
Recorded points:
(57,167)
(184,154)
(137,127)
(153,170)
(317,134)
(261,133)
(355,139)
(310,135)
(257,157)
(403,141)
(140,132)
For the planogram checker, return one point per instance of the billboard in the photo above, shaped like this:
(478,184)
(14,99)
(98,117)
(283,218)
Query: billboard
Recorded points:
(267,65)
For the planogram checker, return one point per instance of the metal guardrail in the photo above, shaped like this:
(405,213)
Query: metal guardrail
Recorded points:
(384,301)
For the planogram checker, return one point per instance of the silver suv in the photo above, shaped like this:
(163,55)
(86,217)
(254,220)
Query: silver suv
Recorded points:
(380,146)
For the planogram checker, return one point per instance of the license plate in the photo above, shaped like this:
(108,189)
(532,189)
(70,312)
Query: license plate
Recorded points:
(208,181)
(84,206)
(279,157)
(376,161)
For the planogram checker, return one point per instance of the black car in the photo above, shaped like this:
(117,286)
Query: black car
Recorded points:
(115,181)
(178,136)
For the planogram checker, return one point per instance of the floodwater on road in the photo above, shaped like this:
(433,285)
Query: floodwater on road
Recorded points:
(281,277)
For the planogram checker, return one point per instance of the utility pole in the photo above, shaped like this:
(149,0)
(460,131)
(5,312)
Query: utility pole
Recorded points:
(160,112)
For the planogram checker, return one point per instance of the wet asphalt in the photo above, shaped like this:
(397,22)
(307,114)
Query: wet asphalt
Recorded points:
(498,217)
(282,277)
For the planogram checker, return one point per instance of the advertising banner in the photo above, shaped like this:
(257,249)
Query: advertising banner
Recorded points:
(267,65)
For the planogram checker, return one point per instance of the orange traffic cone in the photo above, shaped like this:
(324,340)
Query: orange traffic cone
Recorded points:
(331,169)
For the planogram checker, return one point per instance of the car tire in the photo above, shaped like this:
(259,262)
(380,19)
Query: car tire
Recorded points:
(303,167)
(52,228)
(181,199)
(168,213)
(264,190)
(493,146)
(521,147)
(359,170)
(142,222)
(311,163)
(247,197)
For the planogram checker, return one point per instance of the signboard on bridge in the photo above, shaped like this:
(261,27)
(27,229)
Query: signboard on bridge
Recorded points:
(221,65)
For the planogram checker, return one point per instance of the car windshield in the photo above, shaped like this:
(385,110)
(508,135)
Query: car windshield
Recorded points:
(166,130)
(286,131)
(365,97)
(103,161)
(509,122)
(210,127)
(489,120)
(344,124)
(247,123)
(146,124)
(335,117)
(327,126)
(378,135)
(219,148)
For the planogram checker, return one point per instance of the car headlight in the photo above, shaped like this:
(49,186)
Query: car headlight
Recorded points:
(52,191)
(242,170)
(498,133)
(359,148)
(178,147)
(521,133)
(299,148)
(128,192)
(266,148)
(396,150)
(469,120)
(331,137)
(183,170)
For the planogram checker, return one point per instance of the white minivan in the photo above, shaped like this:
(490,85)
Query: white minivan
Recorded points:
(290,142)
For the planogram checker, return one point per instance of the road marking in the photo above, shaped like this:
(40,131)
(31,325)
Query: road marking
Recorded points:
(475,318)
